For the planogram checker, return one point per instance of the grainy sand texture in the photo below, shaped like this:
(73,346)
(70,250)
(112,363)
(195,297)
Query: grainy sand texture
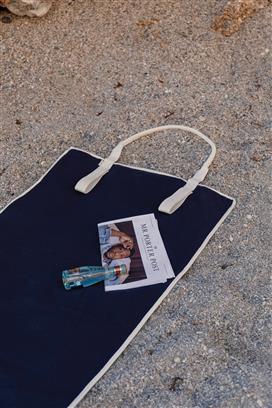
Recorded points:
(91,73)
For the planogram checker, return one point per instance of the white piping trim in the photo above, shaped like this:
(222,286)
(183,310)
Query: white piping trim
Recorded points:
(161,298)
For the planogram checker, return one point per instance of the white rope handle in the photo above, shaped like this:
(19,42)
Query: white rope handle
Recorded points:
(170,204)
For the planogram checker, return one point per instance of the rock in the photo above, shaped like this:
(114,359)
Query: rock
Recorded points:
(30,8)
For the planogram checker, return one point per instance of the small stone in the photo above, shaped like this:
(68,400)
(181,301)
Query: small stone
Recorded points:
(231,238)
(6,19)
(118,85)
(226,265)
(266,51)
(249,217)
(176,384)
(177,360)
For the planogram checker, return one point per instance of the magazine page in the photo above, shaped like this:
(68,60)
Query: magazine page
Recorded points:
(136,243)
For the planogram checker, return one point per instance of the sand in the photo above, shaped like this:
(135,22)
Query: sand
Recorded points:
(90,73)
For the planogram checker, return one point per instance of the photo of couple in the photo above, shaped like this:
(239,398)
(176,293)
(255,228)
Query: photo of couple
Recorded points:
(118,245)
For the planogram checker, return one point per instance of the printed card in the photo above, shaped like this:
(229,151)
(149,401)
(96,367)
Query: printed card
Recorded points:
(136,243)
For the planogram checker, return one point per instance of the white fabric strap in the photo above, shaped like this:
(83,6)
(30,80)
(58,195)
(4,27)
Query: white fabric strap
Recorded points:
(170,204)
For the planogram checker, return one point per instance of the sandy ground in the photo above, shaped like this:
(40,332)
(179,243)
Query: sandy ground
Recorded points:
(92,72)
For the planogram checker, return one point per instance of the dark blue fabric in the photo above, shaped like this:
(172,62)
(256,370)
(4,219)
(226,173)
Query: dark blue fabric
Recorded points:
(53,341)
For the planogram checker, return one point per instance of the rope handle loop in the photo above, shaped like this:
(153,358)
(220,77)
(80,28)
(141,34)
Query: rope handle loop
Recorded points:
(170,204)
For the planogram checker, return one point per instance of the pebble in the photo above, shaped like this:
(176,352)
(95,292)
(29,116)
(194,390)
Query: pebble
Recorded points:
(6,19)
(177,360)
